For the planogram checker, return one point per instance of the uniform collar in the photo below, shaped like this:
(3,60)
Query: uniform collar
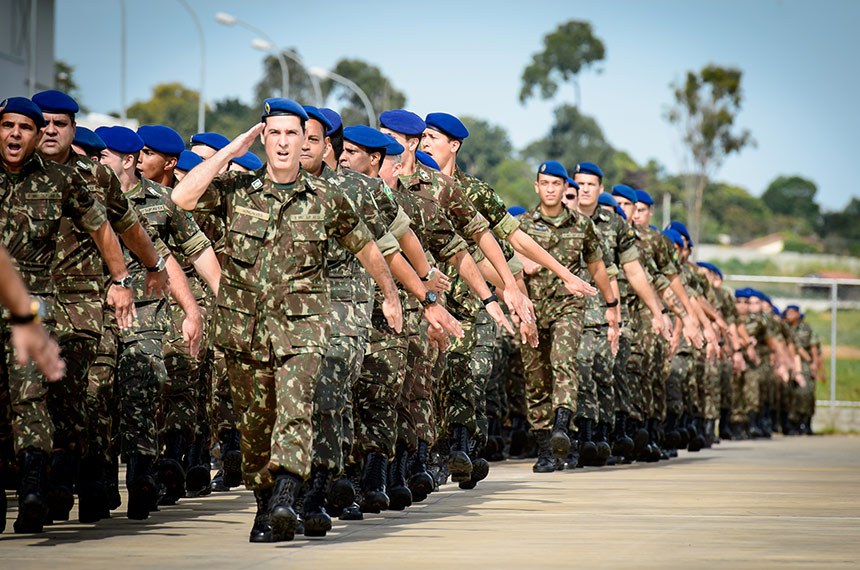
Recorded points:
(304,183)
(34,163)
(566,215)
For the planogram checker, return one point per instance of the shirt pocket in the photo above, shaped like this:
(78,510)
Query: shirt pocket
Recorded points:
(308,242)
(235,318)
(245,238)
(43,210)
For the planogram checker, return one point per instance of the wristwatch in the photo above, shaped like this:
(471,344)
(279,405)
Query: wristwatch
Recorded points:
(125,282)
(430,274)
(160,264)
(34,316)
(429,299)
(611,304)
(491,299)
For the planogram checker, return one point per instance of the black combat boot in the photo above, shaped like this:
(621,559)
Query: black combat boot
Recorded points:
(142,489)
(480,469)
(459,464)
(494,433)
(764,424)
(420,481)
(672,438)
(262,529)
(231,457)
(197,475)
(806,426)
(316,518)
(559,442)
(373,485)
(32,508)
(683,434)
(603,449)
(92,491)
(519,437)
(544,461)
(725,426)
(171,474)
(754,429)
(587,447)
(399,495)
(697,442)
(622,444)
(639,435)
(352,511)
(710,434)
(60,497)
(282,517)
(340,495)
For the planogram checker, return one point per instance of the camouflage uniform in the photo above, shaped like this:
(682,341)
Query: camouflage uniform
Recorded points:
(271,313)
(747,388)
(32,205)
(551,368)
(803,406)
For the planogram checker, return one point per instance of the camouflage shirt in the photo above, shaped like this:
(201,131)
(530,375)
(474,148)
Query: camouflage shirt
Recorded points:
(573,241)
(619,243)
(32,205)
(274,298)
(656,256)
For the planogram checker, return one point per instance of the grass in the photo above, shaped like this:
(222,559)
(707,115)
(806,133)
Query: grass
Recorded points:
(847,381)
(847,369)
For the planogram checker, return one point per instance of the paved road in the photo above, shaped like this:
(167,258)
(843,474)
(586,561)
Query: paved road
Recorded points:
(790,502)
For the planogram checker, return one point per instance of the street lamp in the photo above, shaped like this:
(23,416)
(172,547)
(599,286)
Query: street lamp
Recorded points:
(263,45)
(230,20)
(348,83)
(201,104)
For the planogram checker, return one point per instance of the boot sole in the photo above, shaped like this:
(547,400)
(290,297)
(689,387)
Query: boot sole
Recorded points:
(559,443)
(317,524)
(284,522)
(31,515)
(421,485)
(459,467)
(197,479)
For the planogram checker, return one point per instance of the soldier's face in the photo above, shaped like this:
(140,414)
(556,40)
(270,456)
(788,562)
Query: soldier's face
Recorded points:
(590,188)
(203,151)
(357,158)
(792,316)
(569,198)
(114,160)
(409,143)
(550,189)
(439,146)
(642,214)
(390,170)
(754,305)
(314,147)
(742,306)
(18,140)
(57,136)
(152,164)
(627,206)
(283,138)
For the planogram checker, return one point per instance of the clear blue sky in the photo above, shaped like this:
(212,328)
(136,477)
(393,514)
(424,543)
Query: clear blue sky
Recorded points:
(799,57)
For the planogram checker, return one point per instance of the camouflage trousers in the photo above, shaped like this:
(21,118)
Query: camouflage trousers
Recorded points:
(377,390)
(596,399)
(803,400)
(552,378)
(181,393)
(726,373)
(497,401)
(222,413)
(458,387)
(23,397)
(274,400)
(696,386)
(332,400)
(515,382)
(658,373)
(415,410)
(746,392)
(711,389)
(768,387)
(101,402)
(640,367)
(481,367)
(681,369)
(623,394)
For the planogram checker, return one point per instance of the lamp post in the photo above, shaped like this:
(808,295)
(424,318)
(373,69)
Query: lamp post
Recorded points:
(201,104)
(230,20)
(348,83)
(264,45)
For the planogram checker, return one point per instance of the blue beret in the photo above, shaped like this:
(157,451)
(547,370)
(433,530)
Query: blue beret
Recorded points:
(365,136)
(426,159)
(162,139)
(216,141)
(249,160)
(572,182)
(188,160)
(448,124)
(790,307)
(644,197)
(681,229)
(275,106)
(517,210)
(775,310)
(55,102)
(319,116)
(625,192)
(589,168)
(393,148)
(758,294)
(675,237)
(742,293)
(86,138)
(333,118)
(120,139)
(403,121)
(606,199)
(553,168)
(23,106)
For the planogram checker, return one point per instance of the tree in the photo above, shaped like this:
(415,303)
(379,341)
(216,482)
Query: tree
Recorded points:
(486,148)
(793,196)
(65,81)
(573,138)
(379,89)
(301,86)
(568,50)
(171,104)
(840,230)
(706,106)
(513,180)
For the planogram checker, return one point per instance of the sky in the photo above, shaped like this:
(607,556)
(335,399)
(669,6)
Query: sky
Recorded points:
(801,77)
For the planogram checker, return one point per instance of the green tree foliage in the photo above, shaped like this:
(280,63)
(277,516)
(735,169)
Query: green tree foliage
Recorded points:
(568,50)
(65,81)
(840,230)
(171,104)
(733,211)
(513,180)
(486,148)
(793,196)
(379,89)
(706,106)
(301,85)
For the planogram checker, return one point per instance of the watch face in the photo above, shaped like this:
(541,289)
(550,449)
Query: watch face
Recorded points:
(430,298)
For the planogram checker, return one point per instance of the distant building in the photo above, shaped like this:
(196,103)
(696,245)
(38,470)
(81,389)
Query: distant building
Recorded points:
(26,47)
(768,245)
(843,292)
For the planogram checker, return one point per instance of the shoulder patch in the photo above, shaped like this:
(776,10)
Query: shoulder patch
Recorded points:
(83,164)
(153,209)
(257,184)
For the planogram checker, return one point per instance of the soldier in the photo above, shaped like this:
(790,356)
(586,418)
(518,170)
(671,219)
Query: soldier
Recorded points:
(271,309)
(809,352)
(37,194)
(79,279)
(551,370)
(87,143)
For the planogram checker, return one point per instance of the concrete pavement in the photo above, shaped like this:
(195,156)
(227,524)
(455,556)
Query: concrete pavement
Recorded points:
(790,502)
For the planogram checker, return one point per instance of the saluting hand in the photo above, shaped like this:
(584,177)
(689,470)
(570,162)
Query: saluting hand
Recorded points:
(242,144)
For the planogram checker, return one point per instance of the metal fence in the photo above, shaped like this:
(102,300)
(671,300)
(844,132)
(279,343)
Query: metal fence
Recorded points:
(819,293)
